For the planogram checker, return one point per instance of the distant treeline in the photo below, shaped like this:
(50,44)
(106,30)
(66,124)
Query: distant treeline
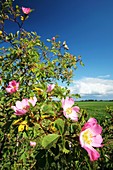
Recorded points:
(92,100)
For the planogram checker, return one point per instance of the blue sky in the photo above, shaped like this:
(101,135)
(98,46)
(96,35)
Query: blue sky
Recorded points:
(87,27)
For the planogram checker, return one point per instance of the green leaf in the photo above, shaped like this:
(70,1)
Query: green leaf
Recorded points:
(23,157)
(81,63)
(48,109)
(59,124)
(24,135)
(49,140)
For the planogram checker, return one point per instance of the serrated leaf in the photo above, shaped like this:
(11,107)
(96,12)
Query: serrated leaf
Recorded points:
(49,140)
(66,151)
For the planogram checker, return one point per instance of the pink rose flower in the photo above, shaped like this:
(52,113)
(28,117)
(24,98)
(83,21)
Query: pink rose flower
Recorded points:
(12,87)
(50,87)
(26,10)
(21,107)
(68,110)
(32,143)
(33,100)
(90,137)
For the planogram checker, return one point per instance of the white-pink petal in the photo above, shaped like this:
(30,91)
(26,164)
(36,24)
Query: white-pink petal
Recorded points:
(96,141)
(50,87)
(92,121)
(26,10)
(33,144)
(67,103)
(76,109)
(33,100)
(19,105)
(93,154)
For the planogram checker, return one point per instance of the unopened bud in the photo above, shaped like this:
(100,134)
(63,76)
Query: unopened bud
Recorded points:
(53,38)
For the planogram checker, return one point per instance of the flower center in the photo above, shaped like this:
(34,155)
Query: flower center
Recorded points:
(25,108)
(69,111)
(14,87)
(87,137)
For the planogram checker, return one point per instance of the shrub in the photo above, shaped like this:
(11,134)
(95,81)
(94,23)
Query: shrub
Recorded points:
(41,126)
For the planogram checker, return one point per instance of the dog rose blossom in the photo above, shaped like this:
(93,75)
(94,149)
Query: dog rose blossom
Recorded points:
(68,110)
(26,10)
(21,107)
(12,87)
(90,136)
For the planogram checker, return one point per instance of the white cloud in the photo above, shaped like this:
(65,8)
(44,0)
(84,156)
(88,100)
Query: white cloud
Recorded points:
(98,88)
(105,76)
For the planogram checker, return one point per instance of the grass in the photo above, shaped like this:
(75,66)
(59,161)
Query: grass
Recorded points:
(96,109)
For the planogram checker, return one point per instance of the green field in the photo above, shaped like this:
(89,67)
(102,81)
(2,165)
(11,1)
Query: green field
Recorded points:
(96,109)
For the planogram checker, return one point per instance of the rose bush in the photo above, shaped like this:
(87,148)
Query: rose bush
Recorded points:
(41,125)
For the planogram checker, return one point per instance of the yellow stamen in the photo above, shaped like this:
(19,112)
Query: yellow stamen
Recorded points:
(69,111)
(14,87)
(87,136)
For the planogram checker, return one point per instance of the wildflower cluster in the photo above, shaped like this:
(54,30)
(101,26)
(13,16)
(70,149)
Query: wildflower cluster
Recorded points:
(90,135)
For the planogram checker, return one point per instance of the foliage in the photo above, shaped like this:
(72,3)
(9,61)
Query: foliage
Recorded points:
(42,137)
